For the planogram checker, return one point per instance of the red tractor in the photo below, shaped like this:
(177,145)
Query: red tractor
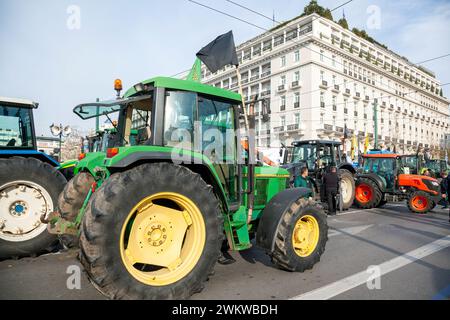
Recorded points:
(384,176)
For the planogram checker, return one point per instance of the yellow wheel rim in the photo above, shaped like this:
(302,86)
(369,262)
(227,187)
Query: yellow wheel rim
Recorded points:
(162,239)
(305,236)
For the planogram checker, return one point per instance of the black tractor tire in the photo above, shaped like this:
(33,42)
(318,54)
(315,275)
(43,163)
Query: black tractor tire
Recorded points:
(71,200)
(348,177)
(372,194)
(107,212)
(419,202)
(284,254)
(43,175)
(382,203)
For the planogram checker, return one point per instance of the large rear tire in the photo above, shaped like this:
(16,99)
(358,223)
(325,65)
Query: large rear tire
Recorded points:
(419,202)
(347,188)
(135,225)
(301,236)
(71,200)
(29,188)
(368,194)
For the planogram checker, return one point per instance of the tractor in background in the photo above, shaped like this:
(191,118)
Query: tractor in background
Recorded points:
(384,177)
(30,183)
(158,212)
(318,156)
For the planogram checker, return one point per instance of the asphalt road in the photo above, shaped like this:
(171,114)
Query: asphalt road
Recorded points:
(386,253)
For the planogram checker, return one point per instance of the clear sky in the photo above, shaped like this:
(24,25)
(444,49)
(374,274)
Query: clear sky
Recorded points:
(42,59)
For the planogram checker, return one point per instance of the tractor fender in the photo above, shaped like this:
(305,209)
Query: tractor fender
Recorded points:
(374,177)
(272,213)
(347,166)
(29,154)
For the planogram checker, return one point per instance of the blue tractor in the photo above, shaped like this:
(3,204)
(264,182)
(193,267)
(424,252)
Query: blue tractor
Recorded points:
(30,183)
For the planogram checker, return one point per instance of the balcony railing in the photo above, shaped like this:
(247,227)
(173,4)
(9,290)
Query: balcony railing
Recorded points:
(292,127)
(265,74)
(281,87)
(265,93)
(347,92)
(278,129)
(324,84)
(295,84)
(255,77)
(328,127)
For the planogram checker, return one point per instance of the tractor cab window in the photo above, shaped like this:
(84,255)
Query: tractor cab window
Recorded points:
(141,130)
(305,153)
(325,156)
(383,167)
(16,130)
(216,121)
(179,115)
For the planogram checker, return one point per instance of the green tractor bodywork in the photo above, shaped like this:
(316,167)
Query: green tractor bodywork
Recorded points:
(254,200)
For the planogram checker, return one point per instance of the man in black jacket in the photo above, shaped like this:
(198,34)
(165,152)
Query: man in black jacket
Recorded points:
(331,186)
(444,189)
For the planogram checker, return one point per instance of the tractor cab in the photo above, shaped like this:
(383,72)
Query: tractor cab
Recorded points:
(388,177)
(16,124)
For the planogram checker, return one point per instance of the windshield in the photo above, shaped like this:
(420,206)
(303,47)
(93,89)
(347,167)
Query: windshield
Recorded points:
(305,153)
(409,162)
(16,130)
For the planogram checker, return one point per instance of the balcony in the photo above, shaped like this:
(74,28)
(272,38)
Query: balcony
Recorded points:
(296,105)
(234,85)
(357,95)
(347,92)
(335,88)
(281,88)
(366,98)
(283,107)
(255,77)
(265,93)
(278,129)
(295,84)
(292,127)
(383,105)
(322,104)
(324,84)
(256,53)
(244,80)
(328,128)
(265,74)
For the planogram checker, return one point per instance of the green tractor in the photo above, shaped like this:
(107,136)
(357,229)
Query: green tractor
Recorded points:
(158,212)
(318,156)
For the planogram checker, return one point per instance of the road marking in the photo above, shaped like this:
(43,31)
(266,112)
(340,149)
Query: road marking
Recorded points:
(331,290)
(348,231)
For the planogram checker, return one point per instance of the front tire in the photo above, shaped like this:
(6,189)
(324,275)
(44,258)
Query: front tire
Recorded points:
(301,236)
(29,188)
(419,202)
(127,239)
(368,195)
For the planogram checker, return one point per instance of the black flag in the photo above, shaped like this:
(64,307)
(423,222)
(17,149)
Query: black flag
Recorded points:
(219,53)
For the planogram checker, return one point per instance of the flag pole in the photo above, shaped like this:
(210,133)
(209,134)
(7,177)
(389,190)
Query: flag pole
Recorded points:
(241,92)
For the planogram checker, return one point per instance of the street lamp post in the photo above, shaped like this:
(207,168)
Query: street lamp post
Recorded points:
(60,131)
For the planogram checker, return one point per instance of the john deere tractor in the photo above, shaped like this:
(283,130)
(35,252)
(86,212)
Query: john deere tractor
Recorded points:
(157,212)
(30,183)
(385,176)
(318,156)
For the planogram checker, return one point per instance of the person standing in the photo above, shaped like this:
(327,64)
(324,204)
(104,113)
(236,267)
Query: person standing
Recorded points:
(331,186)
(302,180)
(444,190)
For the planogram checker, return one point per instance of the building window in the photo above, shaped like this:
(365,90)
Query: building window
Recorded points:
(283,103)
(297,118)
(321,76)
(283,61)
(282,80)
(296,100)
(297,56)
(297,76)
(321,55)
(283,121)
(321,118)
(333,61)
